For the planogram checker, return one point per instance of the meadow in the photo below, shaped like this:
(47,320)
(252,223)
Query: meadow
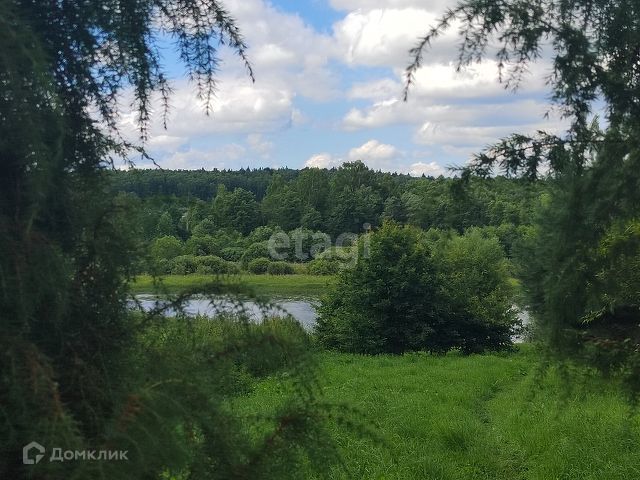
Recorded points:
(299,285)
(470,417)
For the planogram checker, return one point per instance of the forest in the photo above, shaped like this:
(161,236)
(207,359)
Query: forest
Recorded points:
(230,215)
(339,322)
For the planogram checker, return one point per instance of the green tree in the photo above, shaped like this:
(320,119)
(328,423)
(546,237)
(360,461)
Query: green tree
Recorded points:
(282,205)
(237,210)
(407,294)
(166,248)
(74,371)
(595,173)
(166,226)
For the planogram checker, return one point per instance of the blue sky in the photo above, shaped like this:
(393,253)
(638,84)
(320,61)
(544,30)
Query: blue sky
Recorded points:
(328,86)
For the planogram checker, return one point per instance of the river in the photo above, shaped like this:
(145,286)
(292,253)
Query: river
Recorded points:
(302,309)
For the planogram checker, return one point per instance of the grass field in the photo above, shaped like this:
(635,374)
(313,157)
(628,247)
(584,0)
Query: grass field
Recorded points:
(477,417)
(277,285)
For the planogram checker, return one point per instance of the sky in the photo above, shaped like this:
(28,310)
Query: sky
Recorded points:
(329,79)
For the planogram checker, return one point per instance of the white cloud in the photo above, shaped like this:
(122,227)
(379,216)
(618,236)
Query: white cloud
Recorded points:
(322,160)
(383,88)
(431,169)
(374,151)
(225,156)
(166,142)
(285,51)
(238,106)
(432,5)
(380,156)
(258,144)
(381,37)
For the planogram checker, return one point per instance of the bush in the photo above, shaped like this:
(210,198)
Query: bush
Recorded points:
(259,265)
(232,254)
(409,294)
(212,265)
(279,268)
(213,243)
(183,265)
(202,245)
(255,250)
(323,266)
(166,248)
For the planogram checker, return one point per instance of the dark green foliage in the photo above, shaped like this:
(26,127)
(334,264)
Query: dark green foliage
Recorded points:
(256,250)
(204,228)
(212,265)
(407,293)
(232,254)
(341,202)
(237,210)
(165,225)
(175,410)
(258,265)
(575,261)
(279,268)
(474,279)
(78,371)
(282,205)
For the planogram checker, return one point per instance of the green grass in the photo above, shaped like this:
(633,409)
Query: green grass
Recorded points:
(477,417)
(277,285)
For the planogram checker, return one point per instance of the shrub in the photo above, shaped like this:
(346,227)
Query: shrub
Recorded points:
(343,255)
(261,234)
(409,294)
(259,265)
(255,250)
(166,248)
(202,245)
(323,266)
(213,243)
(279,268)
(183,265)
(212,265)
(232,254)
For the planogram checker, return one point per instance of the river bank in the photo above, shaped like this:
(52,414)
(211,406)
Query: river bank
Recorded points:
(271,285)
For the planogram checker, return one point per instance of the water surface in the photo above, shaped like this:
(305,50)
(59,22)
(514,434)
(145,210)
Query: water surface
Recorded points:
(302,309)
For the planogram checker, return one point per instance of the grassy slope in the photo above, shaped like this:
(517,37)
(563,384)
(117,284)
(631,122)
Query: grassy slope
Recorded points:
(282,285)
(478,417)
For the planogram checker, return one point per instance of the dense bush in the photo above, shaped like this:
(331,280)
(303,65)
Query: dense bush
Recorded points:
(166,248)
(232,254)
(255,250)
(410,293)
(279,268)
(202,245)
(212,265)
(323,266)
(259,265)
(183,265)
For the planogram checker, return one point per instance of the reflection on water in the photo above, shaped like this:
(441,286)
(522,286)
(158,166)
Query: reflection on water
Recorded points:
(303,310)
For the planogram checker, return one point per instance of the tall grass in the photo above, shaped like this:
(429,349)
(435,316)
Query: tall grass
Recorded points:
(475,417)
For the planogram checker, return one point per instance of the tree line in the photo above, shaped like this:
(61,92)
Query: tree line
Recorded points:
(234,223)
